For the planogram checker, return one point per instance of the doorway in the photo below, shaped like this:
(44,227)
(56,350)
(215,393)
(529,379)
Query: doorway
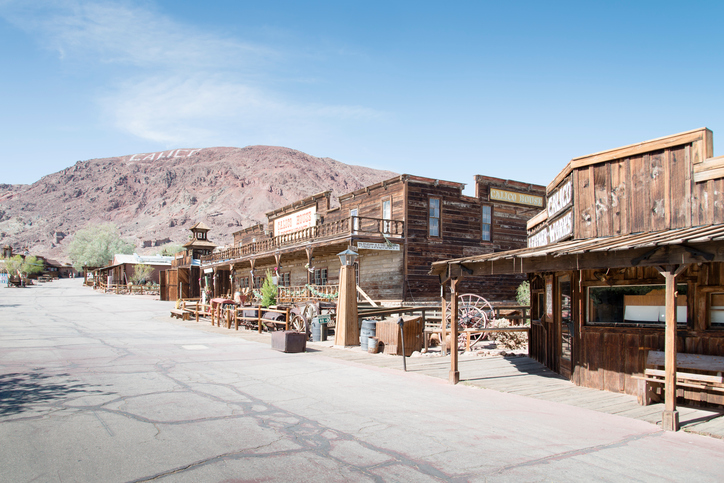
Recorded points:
(565,324)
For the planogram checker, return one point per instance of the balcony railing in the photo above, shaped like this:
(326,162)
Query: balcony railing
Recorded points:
(353,225)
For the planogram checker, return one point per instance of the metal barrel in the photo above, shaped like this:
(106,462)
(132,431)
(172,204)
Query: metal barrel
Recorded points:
(368,329)
(319,330)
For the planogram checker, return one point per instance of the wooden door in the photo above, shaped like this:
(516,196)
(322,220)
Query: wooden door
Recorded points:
(564,320)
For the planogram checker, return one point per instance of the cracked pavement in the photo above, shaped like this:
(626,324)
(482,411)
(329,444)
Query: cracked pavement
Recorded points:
(97,387)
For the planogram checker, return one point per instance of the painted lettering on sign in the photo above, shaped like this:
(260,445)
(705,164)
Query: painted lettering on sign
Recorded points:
(558,230)
(560,199)
(561,228)
(295,222)
(378,246)
(540,239)
(514,197)
(174,153)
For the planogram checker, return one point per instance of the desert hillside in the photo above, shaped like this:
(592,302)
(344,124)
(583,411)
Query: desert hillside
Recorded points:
(155,197)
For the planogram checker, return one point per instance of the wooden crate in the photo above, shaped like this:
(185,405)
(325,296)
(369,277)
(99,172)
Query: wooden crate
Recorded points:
(388,332)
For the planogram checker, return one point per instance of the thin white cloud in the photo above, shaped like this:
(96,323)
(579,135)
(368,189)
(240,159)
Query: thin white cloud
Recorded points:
(182,85)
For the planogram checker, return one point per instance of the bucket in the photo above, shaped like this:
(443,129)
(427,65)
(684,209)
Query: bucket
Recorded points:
(373,345)
(368,329)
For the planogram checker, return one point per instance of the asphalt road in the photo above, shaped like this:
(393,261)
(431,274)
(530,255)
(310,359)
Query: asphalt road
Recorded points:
(104,388)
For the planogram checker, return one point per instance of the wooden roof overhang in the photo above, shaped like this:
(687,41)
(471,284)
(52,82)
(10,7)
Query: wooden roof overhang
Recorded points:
(669,247)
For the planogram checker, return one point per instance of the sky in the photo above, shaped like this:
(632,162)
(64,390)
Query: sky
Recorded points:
(445,90)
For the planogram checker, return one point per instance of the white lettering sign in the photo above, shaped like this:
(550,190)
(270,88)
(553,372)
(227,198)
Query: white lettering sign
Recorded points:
(174,153)
(378,246)
(540,239)
(561,228)
(556,231)
(560,199)
(295,222)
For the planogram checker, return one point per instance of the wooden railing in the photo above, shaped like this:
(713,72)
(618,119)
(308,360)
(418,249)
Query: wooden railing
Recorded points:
(347,226)
(304,293)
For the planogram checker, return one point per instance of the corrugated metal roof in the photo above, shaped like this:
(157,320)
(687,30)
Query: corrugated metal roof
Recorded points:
(699,234)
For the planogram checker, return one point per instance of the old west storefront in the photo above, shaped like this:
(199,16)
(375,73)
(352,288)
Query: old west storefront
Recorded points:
(398,226)
(627,258)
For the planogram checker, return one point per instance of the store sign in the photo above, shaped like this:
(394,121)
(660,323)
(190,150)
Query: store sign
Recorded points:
(378,246)
(514,197)
(560,199)
(558,230)
(561,229)
(295,222)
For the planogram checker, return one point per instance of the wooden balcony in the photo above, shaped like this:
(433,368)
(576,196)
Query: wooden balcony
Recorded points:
(353,225)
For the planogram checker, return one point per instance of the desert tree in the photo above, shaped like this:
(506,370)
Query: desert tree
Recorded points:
(96,245)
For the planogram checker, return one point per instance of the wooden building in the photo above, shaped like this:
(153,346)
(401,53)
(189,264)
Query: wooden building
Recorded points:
(623,231)
(120,271)
(183,279)
(398,227)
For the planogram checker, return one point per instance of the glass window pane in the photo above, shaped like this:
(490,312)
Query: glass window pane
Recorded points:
(486,232)
(716,309)
(486,214)
(634,304)
(434,227)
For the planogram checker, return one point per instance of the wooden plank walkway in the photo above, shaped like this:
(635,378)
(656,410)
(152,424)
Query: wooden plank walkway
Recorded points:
(526,377)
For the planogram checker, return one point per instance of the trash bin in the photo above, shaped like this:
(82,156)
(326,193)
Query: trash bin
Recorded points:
(367,330)
(319,329)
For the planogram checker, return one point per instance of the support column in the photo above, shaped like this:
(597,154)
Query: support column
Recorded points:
(670,416)
(454,376)
(443,324)
(346,332)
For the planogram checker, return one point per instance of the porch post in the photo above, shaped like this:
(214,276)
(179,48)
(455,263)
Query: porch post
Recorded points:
(454,376)
(670,416)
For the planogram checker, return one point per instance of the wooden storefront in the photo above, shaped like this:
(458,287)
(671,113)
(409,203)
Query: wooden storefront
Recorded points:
(627,258)
(398,227)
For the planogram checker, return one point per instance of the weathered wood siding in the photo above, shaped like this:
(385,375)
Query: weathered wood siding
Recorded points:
(646,192)
(607,357)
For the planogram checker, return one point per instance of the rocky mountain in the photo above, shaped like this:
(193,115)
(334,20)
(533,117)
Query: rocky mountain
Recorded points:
(155,197)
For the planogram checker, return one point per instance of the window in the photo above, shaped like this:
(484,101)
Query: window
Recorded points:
(386,215)
(243,282)
(716,310)
(353,213)
(433,220)
(283,279)
(320,276)
(633,305)
(487,222)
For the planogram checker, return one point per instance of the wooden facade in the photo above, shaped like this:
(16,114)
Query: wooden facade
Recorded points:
(183,280)
(398,227)
(621,228)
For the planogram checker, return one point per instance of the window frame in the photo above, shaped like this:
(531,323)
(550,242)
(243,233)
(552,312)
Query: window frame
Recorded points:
(637,324)
(483,224)
(430,217)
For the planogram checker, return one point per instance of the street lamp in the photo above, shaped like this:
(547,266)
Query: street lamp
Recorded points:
(348,257)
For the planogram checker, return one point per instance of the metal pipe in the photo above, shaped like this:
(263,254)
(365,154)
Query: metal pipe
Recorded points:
(401,323)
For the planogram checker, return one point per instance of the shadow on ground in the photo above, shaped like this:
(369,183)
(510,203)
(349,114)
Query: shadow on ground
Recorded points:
(21,391)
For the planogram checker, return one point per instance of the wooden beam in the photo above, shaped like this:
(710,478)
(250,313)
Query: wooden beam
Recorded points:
(454,376)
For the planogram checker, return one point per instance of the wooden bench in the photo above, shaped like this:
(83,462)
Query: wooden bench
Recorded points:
(693,371)
(180,314)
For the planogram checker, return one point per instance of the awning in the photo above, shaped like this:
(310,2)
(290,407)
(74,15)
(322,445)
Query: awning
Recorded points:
(683,245)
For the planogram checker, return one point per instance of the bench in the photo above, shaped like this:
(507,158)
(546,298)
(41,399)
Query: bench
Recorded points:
(693,371)
(180,314)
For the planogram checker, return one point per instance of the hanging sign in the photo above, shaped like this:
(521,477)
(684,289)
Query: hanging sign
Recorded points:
(295,222)
(514,197)
(378,246)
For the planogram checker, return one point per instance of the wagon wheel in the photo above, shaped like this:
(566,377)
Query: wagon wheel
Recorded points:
(298,323)
(474,312)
